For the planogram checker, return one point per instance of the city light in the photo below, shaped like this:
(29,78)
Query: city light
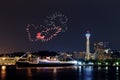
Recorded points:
(99,63)
(3,67)
(106,63)
(3,58)
(79,63)
(117,63)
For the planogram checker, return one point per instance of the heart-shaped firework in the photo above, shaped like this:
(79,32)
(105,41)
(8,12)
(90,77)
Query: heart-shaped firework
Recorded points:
(55,24)
(35,33)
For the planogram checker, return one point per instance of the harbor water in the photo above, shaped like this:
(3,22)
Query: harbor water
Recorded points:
(59,73)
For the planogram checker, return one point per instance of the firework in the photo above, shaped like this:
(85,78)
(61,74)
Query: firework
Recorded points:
(32,30)
(57,19)
(51,32)
(54,25)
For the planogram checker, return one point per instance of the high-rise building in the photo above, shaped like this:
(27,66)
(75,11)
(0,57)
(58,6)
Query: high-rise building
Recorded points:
(101,50)
(100,47)
(87,45)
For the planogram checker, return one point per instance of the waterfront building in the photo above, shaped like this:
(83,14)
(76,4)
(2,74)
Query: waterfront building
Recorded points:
(101,50)
(79,55)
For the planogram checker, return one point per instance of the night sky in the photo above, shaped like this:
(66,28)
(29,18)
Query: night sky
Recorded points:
(101,18)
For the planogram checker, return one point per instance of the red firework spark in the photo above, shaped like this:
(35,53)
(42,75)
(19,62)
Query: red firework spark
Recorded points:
(39,36)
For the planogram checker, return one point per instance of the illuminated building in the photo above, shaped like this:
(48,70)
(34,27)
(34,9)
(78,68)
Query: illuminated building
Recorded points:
(100,47)
(100,50)
(78,55)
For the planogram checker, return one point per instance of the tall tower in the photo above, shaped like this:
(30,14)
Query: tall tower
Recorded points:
(87,45)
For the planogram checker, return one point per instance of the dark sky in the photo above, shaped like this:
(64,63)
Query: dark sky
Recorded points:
(101,17)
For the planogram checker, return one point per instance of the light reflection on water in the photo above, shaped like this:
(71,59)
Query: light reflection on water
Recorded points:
(60,73)
(29,72)
(3,72)
(88,72)
(117,73)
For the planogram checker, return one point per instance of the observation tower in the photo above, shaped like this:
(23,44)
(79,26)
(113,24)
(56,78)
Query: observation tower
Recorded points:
(87,57)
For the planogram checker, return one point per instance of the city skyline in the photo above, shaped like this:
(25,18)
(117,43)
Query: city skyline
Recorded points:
(101,18)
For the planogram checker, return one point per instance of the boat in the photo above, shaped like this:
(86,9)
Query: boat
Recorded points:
(23,62)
